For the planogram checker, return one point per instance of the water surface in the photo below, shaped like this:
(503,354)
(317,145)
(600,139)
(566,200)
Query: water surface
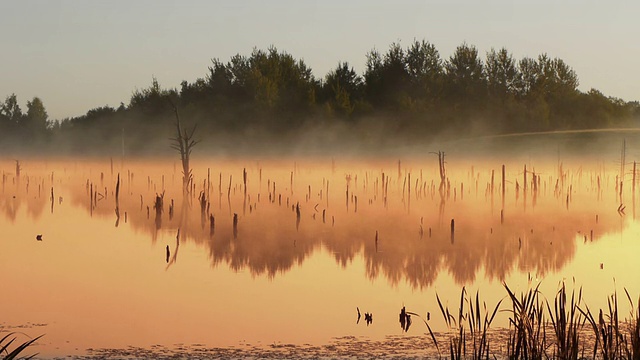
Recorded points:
(102,279)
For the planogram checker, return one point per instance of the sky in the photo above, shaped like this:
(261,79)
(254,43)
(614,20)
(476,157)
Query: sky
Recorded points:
(78,55)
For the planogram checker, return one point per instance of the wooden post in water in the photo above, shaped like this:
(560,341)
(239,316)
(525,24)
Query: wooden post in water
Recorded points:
(621,184)
(404,185)
(118,191)
(18,168)
(117,210)
(244,198)
(503,181)
(209,184)
(244,180)
(347,198)
(297,216)
(235,225)
(386,192)
(376,241)
(453,229)
(91,199)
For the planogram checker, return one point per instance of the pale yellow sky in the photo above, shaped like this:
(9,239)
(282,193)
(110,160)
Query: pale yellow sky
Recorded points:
(78,55)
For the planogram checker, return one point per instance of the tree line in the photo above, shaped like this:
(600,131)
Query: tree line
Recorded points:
(409,94)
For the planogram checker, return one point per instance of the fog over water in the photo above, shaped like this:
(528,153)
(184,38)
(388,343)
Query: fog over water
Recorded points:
(373,234)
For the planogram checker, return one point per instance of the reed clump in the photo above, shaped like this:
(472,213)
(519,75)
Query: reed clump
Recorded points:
(6,343)
(615,338)
(468,331)
(562,327)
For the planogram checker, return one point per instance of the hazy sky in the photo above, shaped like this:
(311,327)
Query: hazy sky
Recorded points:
(78,55)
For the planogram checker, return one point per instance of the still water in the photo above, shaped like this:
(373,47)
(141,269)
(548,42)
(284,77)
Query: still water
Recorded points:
(371,236)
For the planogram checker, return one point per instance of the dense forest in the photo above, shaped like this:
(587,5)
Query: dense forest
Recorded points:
(270,101)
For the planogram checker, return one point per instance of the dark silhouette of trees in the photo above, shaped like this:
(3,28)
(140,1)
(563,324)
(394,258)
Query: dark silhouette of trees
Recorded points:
(10,112)
(411,94)
(269,88)
(343,90)
(548,90)
(503,77)
(17,127)
(504,83)
(283,89)
(10,118)
(387,79)
(465,77)
(426,71)
(36,119)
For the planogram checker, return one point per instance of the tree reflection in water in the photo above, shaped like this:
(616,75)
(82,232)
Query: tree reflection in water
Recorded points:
(536,237)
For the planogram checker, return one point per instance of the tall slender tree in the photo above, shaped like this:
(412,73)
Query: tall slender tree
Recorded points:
(465,75)
(425,69)
(343,88)
(35,121)
(502,74)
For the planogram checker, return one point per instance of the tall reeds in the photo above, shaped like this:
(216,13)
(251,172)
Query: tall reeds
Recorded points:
(632,344)
(567,324)
(539,328)
(468,332)
(10,338)
(615,339)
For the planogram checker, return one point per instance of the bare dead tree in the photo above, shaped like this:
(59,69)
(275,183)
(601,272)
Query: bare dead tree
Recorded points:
(442,170)
(184,143)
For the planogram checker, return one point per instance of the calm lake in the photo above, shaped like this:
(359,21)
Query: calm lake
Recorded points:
(372,235)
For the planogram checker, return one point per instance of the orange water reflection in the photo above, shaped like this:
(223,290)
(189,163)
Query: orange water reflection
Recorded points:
(97,280)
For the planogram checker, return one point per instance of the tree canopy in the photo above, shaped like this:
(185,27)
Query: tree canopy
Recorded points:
(270,96)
